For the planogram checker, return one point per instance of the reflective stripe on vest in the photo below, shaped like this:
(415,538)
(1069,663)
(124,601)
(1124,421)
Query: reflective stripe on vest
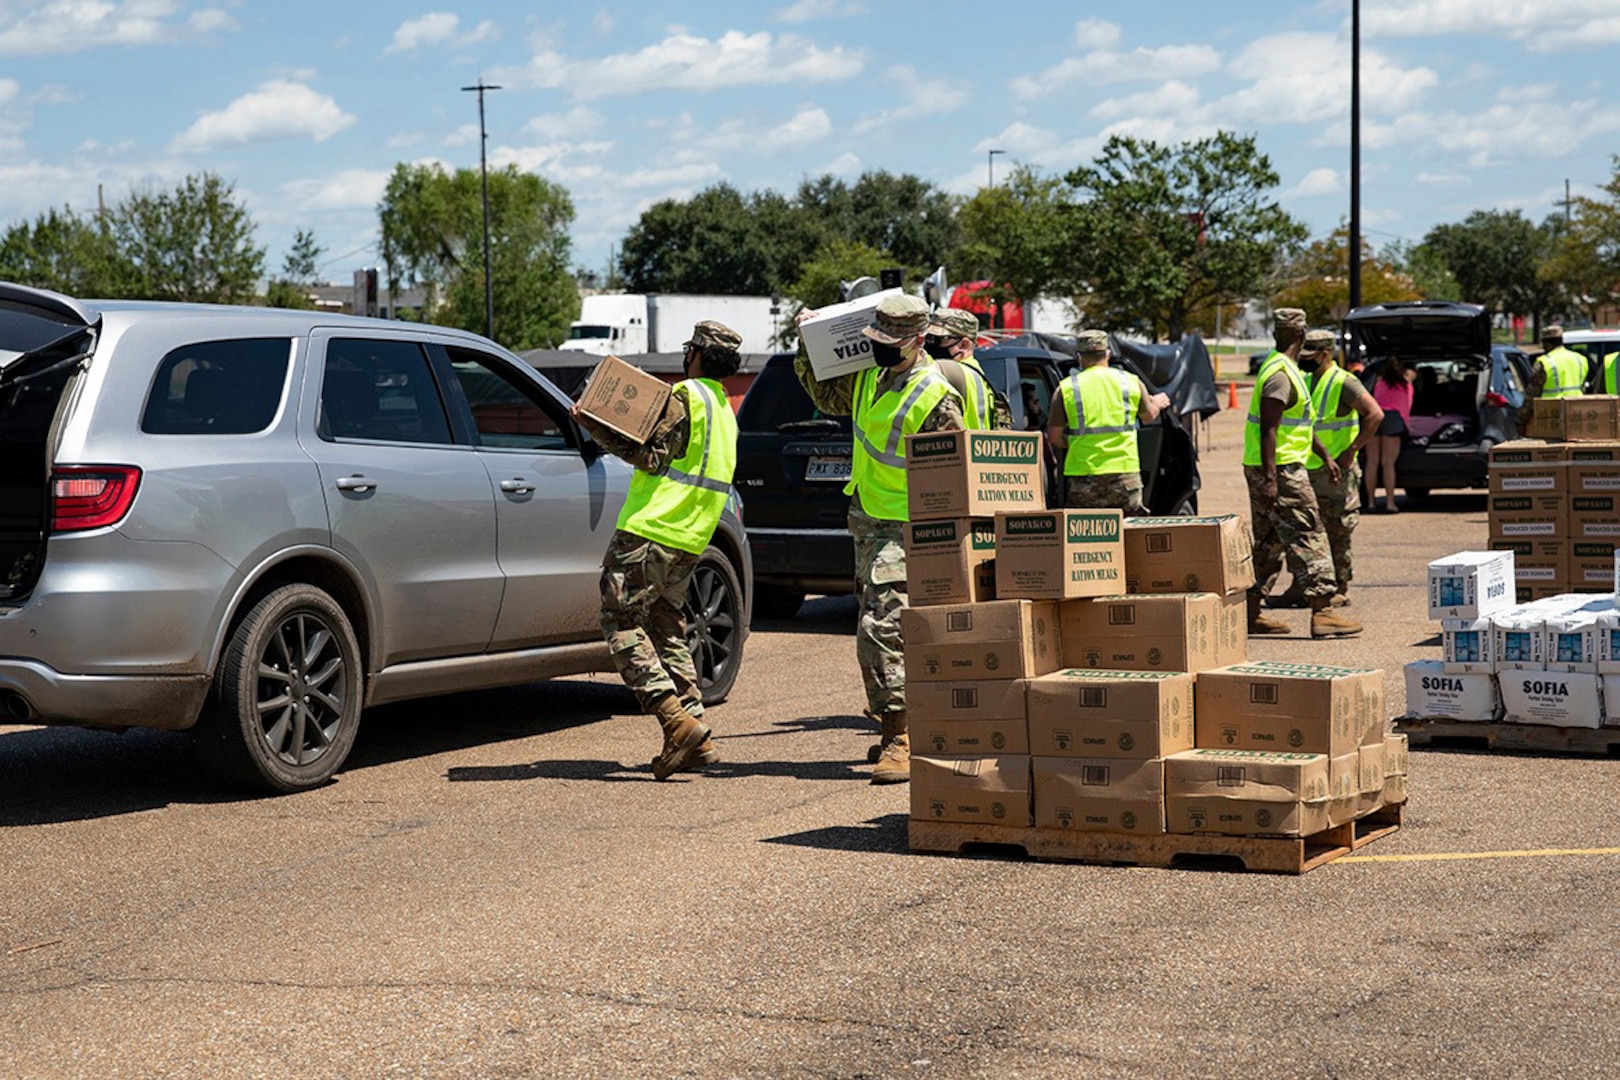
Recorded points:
(1336,433)
(681,505)
(881,422)
(1102,438)
(1294,432)
(1564,376)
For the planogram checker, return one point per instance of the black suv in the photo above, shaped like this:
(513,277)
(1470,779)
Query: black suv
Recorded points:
(793,461)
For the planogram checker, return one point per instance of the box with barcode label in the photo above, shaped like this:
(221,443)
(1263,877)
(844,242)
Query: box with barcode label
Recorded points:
(1099,794)
(968,718)
(950,562)
(1189,554)
(1110,714)
(1470,584)
(1289,708)
(1168,632)
(1246,792)
(981,790)
(1001,639)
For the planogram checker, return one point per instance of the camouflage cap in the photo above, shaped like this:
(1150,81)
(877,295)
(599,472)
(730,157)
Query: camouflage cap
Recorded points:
(709,332)
(1091,341)
(1290,316)
(1320,341)
(953,323)
(1552,333)
(899,318)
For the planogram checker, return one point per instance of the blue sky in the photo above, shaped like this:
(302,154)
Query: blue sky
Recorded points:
(1467,104)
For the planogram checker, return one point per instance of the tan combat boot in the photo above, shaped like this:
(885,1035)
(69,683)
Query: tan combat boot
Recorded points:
(1325,622)
(1339,599)
(1261,624)
(875,751)
(894,762)
(684,736)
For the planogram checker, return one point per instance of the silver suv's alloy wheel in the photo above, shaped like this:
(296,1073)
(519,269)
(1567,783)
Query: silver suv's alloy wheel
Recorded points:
(714,619)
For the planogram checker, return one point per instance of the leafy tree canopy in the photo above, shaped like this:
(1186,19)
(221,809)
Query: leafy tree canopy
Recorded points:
(1319,279)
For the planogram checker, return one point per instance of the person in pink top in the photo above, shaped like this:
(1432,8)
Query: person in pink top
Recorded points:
(1392,390)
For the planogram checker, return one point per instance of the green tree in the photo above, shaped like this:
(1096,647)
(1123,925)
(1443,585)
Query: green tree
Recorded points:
(719,241)
(1585,256)
(65,252)
(1319,279)
(1164,232)
(838,260)
(298,271)
(1493,254)
(905,215)
(432,235)
(1014,236)
(193,244)
(1427,268)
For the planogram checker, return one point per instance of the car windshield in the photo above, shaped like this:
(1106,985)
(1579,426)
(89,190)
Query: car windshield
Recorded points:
(576,333)
(776,400)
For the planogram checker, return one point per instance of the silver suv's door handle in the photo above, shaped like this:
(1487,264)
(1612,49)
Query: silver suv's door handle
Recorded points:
(355,483)
(519,486)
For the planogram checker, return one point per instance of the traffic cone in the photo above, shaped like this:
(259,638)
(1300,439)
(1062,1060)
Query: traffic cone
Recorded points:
(1231,395)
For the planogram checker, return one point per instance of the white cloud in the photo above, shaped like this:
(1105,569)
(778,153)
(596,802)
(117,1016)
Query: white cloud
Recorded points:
(350,189)
(462,136)
(438,28)
(684,62)
(924,97)
(576,121)
(1316,183)
(1547,26)
(806,127)
(1174,96)
(1018,138)
(406,139)
(1512,132)
(211,20)
(842,165)
(603,23)
(806,10)
(1315,92)
(276,110)
(1101,67)
(1096,34)
(1441,178)
(69,26)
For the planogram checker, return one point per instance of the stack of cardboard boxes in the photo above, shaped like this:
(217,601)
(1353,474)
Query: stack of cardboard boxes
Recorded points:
(1073,670)
(1556,506)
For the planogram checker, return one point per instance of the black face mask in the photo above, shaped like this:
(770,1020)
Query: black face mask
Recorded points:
(1309,363)
(938,349)
(887,356)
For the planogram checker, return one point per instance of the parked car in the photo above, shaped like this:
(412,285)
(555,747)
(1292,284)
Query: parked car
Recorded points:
(1466,396)
(251,523)
(793,462)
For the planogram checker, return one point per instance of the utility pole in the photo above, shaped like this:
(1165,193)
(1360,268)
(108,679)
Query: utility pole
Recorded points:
(1568,203)
(992,170)
(1355,154)
(483,168)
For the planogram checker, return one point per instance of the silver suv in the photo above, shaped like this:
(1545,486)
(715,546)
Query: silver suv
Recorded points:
(252,523)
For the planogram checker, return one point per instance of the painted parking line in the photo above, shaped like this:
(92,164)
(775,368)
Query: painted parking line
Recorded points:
(1452,856)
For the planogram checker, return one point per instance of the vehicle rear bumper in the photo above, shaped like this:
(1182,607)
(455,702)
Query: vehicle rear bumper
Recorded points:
(44,695)
(816,560)
(1459,465)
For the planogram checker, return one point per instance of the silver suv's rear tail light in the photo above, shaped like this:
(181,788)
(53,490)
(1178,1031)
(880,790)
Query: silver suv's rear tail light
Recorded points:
(91,496)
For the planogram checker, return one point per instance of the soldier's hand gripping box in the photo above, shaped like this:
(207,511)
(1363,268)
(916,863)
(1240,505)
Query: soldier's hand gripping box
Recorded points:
(1001,639)
(1060,554)
(950,562)
(834,340)
(1189,554)
(1434,694)
(1110,714)
(1166,632)
(968,719)
(976,790)
(623,397)
(1100,794)
(1273,706)
(969,474)
(1470,584)
(1246,793)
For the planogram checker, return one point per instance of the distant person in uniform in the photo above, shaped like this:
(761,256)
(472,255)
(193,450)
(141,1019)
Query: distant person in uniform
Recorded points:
(1093,421)
(1559,372)
(1392,391)
(953,334)
(677,494)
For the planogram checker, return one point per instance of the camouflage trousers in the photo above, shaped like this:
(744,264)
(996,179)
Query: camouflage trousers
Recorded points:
(880,587)
(1340,507)
(1105,491)
(643,587)
(1291,525)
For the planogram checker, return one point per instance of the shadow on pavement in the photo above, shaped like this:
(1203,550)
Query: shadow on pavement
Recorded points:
(806,724)
(886,833)
(831,615)
(616,772)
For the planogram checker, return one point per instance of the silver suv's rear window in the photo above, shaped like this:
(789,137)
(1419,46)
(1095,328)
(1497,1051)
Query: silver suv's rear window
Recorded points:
(218,387)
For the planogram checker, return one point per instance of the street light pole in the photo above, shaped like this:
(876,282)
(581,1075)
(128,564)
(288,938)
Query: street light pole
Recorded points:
(483,168)
(1355,154)
(992,169)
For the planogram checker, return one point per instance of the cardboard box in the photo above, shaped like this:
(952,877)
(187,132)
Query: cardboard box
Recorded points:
(1246,792)
(1579,418)
(1594,517)
(1189,554)
(1432,694)
(977,700)
(1557,698)
(968,738)
(1468,646)
(1530,478)
(1373,774)
(950,562)
(1526,594)
(1001,639)
(1517,453)
(982,790)
(1591,566)
(1527,515)
(971,474)
(1572,642)
(1166,632)
(1344,787)
(1110,714)
(1536,561)
(1060,554)
(1611,700)
(1099,794)
(1394,790)
(1520,638)
(1289,708)
(833,339)
(1594,468)
(625,398)
(1397,754)
(1470,584)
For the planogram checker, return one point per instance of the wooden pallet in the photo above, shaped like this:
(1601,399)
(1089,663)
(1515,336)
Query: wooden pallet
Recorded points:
(1261,854)
(1525,738)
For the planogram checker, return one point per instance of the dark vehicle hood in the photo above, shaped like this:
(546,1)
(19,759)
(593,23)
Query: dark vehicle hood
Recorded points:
(1421,328)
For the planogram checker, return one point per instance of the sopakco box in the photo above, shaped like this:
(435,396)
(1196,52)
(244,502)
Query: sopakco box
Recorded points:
(1594,517)
(1432,694)
(1001,639)
(1591,565)
(1527,515)
(1581,418)
(986,790)
(1246,792)
(1304,708)
(1594,468)
(1060,554)
(968,719)
(958,474)
(1168,632)
(1110,714)
(1099,794)
(1470,584)
(1189,554)
(624,398)
(1527,467)
(1536,561)
(950,562)
(833,339)
(1558,698)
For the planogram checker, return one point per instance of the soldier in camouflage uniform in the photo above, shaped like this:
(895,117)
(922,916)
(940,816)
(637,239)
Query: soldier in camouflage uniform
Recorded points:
(904,394)
(682,481)
(1277,441)
(953,334)
(1093,421)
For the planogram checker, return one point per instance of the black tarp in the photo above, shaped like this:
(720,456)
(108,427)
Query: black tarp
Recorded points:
(1182,370)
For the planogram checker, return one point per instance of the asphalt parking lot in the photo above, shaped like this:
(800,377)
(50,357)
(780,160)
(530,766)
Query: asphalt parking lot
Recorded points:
(496,887)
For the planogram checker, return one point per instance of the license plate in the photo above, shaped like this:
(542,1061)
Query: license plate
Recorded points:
(827,468)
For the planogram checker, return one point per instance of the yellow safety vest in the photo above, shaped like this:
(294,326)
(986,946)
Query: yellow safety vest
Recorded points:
(1100,404)
(882,422)
(1336,433)
(681,505)
(978,404)
(1610,364)
(1566,372)
(1294,433)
